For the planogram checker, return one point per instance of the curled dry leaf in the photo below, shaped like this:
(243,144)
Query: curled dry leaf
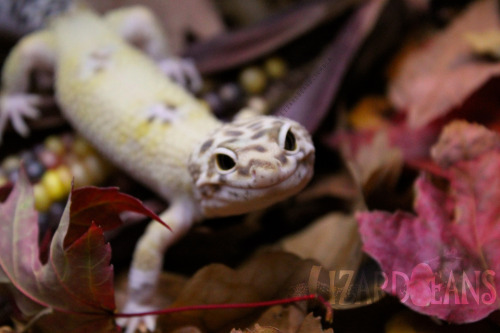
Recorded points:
(333,241)
(236,48)
(463,141)
(375,163)
(320,89)
(286,319)
(442,260)
(444,72)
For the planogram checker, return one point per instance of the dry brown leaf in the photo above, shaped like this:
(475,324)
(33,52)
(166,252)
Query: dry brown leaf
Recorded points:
(461,140)
(188,329)
(169,287)
(312,324)
(270,275)
(258,329)
(444,72)
(339,185)
(333,241)
(287,319)
(376,164)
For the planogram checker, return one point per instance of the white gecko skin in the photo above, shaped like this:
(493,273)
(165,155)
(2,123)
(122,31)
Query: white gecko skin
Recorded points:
(152,128)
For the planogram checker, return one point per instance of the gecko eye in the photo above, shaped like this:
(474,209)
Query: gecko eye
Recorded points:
(225,162)
(287,139)
(226,159)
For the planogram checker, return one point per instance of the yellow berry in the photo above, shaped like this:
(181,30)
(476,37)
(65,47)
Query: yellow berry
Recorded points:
(53,185)
(55,144)
(275,67)
(42,199)
(253,80)
(64,174)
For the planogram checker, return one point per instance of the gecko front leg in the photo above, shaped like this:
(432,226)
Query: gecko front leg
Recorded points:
(35,52)
(139,26)
(148,259)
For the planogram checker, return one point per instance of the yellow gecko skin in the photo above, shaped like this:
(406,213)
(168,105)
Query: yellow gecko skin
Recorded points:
(104,74)
(119,100)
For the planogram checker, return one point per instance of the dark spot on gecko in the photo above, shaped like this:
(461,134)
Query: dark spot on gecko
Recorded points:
(233,133)
(278,123)
(206,145)
(259,134)
(282,158)
(208,191)
(259,148)
(256,125)
(244,171)
(170,106)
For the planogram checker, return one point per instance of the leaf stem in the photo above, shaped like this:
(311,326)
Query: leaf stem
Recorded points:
(328,317)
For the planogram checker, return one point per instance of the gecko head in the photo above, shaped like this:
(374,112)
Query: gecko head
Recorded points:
(251,164)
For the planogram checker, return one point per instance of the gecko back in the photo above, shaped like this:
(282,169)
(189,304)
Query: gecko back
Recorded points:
(124,104)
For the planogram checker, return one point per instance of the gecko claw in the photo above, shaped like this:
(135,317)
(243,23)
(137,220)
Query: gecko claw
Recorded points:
(132,323)
(15,108)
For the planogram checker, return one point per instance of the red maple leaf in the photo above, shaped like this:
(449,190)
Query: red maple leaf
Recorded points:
(444,260)
(76,282)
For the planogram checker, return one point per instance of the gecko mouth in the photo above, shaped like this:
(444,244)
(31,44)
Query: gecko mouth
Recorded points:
(227,200)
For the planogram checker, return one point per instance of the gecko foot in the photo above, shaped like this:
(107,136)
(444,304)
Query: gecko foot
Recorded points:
(182,71)
(16,107)
(132,323)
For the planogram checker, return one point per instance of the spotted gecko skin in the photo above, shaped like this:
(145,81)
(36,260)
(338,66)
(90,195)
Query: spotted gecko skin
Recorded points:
(160,134)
